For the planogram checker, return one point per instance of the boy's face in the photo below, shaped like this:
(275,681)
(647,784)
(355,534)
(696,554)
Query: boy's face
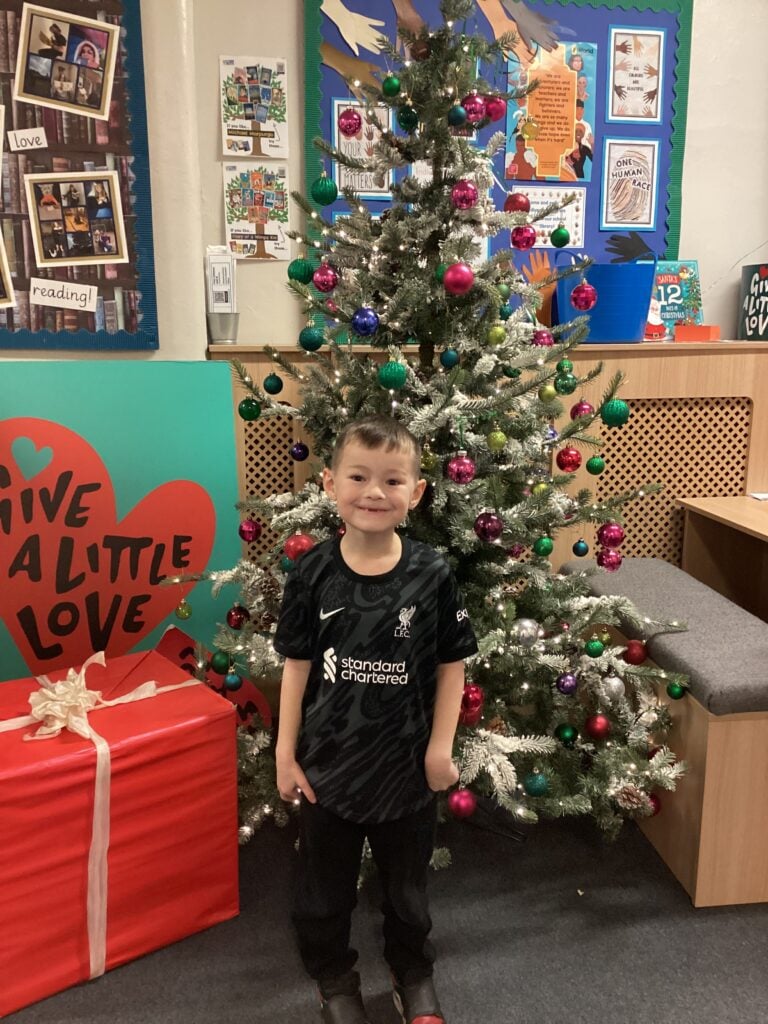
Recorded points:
(373,488)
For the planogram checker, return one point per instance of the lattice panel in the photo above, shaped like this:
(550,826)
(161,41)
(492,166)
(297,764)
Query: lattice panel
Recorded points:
(696,447)
(268,467)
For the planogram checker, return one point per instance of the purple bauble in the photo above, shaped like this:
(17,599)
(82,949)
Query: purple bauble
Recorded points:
(350,122)
(609,559)
(365,321)
(610,535)
(461,469)
(582,408)
(249,530)
(325,278)
(583,297)
(523,236)
(489,526)
(567,683)
(464,194)
(516,550)
(299,451)
(462,803)
(475,107)
(543,338)
(458,278)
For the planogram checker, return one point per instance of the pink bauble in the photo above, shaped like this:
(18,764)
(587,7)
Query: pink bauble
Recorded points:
(597,727)
(495,107)
(609,559)
(543,338)
(464,194)
(325,278)
(517,202)
(462,803)
(581,408)
(610,535)
(350,122)
(461,469)
(472,698)
(458,279)
(568,459)
(516,550)
(655,803)
(523,236)
(249,530)
(297,544)
(583,297)
(488,526)
(331,306)
(475,107)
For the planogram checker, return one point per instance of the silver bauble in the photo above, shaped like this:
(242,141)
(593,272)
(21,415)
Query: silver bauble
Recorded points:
(613,687)
(525,632)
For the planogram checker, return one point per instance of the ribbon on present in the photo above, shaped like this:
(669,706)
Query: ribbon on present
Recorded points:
(66,705)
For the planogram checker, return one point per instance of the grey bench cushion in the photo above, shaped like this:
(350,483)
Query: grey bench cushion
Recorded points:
(724,651)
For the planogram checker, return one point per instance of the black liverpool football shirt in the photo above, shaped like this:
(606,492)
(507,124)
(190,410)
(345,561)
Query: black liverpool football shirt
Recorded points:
(374,643)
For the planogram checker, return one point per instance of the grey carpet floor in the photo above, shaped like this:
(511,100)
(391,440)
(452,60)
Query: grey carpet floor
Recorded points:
(561,929)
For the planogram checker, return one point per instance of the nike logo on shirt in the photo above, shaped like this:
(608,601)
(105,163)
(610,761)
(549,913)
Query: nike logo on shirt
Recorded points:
(327,615)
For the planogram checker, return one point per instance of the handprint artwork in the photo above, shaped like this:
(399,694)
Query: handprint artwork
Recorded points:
(635,83)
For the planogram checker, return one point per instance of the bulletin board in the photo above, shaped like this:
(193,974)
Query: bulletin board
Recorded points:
(606,123)
(76,254)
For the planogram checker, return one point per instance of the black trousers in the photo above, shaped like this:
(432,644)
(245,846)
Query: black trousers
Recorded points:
(330,851)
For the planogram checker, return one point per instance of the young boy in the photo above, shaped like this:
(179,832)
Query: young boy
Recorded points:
(374,633)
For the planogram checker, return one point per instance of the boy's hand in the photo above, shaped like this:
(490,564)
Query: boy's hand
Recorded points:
(292,782)
(440,770)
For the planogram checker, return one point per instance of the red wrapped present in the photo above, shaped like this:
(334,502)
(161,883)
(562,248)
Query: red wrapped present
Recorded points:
(119,824)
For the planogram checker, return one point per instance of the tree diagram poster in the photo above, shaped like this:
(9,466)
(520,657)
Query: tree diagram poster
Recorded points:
(256,210)
(254,100)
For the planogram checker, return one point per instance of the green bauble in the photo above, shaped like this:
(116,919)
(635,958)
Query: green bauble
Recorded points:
(300,270)
(249,409)
(183,609)
(496,334)
(393,375)
(594,647)
(324,190)
(273,384)
(457,116)
(614,413)
(567,734)
(547,393)
(505,311)
(428,460)
(311,338)
(504,290)
(675,691)
(536,784)
(595,465)
(540,488)
(220,662)
(566,383)
(512,372)
(440,270)
(390,86)
(543,546)
(560,236)
(496,440)
(564,366)
(449,358)
(407,118)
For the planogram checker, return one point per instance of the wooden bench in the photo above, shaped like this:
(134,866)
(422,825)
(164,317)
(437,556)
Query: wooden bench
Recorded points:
(713,831)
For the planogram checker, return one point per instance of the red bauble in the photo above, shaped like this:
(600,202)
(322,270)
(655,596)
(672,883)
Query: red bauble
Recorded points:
(583,297)
(610,535)
(297,544)
(568,459)
(325,278)
(237,617)
(249,530)
(473,697)
(488,526)
(470,717)
(655,804)
(523,236)
(331,306)
(464,194)
(461,469)
(543,338)
(462,803)
(609,559)
(458,278)
(581,408)
(475,107)
(495,107)
(597,727)
(350,122)
(635,654)
(517,202)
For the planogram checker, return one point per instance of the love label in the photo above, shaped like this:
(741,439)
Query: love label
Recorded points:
(76,578)
(27,138)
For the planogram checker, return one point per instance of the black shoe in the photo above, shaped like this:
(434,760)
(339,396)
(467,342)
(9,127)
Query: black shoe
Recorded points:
(417,1003)
(343,1009)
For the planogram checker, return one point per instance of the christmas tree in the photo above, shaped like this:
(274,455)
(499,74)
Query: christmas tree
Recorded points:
(560,716)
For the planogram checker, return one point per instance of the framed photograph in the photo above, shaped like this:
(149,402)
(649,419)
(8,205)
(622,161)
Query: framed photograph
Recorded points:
(65,61)
(76,218)
(7,295)
(635,75)
(361,146)
(630,184)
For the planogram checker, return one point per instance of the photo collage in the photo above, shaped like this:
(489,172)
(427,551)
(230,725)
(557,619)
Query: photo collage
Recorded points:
(258,193)
(253,93)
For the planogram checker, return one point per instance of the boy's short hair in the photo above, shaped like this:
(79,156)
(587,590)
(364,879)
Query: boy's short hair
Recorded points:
(378,432)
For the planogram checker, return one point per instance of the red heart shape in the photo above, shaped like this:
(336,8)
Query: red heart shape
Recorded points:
(763,271)
(75,579)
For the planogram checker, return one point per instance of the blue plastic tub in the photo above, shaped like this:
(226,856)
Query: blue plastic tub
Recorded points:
(623,298)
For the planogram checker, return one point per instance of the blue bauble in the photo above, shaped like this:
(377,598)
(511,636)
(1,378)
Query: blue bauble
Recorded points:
(449,358)
(299,451)
(365,321)
(233,681)
(580,548)
(457,116)
(505,311)
(536,784)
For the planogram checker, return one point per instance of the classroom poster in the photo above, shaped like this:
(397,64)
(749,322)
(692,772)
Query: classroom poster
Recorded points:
(254,100)
(635,75)
(256,210)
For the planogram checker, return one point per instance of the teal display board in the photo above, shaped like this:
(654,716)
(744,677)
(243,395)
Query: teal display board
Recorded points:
(113,475)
